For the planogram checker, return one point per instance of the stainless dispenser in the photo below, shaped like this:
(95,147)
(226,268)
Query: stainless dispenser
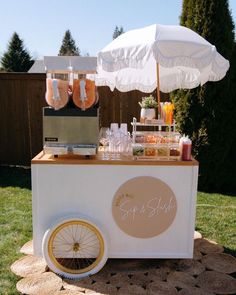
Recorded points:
(70,130)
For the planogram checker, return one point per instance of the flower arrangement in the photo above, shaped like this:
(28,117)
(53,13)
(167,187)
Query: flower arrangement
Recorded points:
(148,102)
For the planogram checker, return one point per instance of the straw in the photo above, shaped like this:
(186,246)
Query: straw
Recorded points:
(28,265)
(197,235)
(66,292)
(206,246)
(220,262)
(40,283)
(190,266)
(103,288)
(127,265)
(61,292)
(140,279)
(102,276)
(219,283)
(194,291)
(79,285)
(120,280)
(131,290)
(159,274)
(27,248)
(181,279)
(163,288)
(197,255)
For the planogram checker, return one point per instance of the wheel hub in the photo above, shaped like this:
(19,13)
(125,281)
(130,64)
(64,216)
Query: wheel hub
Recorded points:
(76,247)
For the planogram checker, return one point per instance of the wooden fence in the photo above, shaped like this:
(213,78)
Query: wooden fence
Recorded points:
(21,102)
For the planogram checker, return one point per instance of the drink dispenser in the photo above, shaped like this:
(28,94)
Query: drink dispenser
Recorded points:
(71,122)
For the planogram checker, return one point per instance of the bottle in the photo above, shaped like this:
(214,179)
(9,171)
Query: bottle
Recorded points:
(171,113)
(165,112)
(186,148)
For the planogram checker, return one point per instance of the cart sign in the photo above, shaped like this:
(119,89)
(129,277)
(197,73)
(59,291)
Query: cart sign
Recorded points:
(144,207)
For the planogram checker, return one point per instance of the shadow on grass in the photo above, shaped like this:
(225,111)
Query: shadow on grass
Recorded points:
(15,177)
(230,251)
(225,191)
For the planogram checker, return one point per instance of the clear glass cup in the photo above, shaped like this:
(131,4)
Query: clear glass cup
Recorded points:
(104,138)
(114,146)
(114,127)
(123,128)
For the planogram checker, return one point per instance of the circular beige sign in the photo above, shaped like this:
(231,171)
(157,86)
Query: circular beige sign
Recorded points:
(144,207)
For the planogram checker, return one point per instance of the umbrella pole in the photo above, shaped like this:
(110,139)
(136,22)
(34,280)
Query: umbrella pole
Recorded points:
(158,91)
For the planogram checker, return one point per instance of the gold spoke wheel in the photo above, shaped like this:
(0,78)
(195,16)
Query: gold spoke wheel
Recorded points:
(75,248)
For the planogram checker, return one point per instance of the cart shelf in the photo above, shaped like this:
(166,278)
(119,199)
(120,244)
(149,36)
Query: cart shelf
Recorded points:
(158,123)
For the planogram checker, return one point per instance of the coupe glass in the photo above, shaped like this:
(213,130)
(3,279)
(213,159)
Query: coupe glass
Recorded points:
(104,136)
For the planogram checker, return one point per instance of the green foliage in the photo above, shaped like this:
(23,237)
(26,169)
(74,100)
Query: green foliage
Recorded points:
(207,113)
(215,219)
(117,32)
(148,102)
(16,58)
(68,46)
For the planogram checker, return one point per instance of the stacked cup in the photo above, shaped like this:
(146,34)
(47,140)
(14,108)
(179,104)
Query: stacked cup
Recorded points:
(119,141)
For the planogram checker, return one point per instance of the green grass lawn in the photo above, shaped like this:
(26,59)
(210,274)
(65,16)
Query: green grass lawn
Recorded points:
(216,219)
(15,222)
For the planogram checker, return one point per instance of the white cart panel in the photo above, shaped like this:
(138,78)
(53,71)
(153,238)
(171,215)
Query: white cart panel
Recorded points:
(64,187)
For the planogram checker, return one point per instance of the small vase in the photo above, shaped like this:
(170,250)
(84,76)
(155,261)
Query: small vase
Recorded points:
(147,114)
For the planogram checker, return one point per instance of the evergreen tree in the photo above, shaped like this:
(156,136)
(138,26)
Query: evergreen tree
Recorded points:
(206,113)
(16,58)
(68,46)
(117,32)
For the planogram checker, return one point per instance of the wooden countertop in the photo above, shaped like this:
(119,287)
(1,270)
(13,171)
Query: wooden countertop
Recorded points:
(42,158)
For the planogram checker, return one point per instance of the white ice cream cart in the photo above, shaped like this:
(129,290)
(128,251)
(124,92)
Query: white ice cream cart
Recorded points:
(88,210)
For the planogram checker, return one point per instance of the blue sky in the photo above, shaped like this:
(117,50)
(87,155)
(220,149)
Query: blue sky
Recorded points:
(42,24)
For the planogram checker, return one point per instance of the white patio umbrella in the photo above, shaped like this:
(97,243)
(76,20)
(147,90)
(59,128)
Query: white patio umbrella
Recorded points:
(159,56)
